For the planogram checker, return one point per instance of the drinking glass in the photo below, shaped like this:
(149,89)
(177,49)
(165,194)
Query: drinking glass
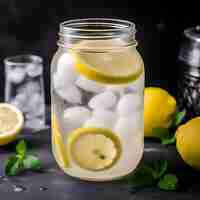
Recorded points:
(24,88)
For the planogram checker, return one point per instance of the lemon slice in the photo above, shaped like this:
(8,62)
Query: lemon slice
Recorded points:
(59,147)
(11,122)
(94,149)
(112,67)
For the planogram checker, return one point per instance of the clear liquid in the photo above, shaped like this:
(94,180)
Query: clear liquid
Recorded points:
(117,107)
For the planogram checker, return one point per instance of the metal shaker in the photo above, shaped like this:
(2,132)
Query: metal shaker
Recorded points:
(189,72)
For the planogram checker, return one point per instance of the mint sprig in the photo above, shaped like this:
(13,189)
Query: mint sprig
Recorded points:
(155,174)
(21,161)
(165,134)
(178,118)
(168,182)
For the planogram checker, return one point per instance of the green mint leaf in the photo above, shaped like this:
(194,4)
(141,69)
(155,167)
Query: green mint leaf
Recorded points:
(21,148)
(160,167)
(161,133)
(164,135)
(166,141)
(178,118)
(31,162)
(168,182)
(143,177)
(13,165)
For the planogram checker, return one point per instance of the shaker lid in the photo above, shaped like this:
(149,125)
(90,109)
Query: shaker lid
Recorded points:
(190,47)
(193,33)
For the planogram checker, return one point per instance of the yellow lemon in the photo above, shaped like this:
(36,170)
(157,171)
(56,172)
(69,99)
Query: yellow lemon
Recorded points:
(11,122)
(112,67)
(159,109)
(94,149)
(58,144)
(188,142)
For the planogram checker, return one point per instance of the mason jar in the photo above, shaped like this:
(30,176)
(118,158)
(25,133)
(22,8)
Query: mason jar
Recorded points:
(97,83)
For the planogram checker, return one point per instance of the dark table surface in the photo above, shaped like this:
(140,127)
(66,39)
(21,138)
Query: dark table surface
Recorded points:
(58,186)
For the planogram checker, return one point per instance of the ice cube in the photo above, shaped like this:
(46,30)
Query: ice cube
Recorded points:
(71,94)
(107,116)
(20,101)
(96,123)
(65,77)
(102,119)
(66,70)
(129,103)
(89,85)
(16,75)
(104,100)
(138,85)
(76,116)
(29,88)
(34,70)
(36,106)
(35,124)
(119,90)
(126,127)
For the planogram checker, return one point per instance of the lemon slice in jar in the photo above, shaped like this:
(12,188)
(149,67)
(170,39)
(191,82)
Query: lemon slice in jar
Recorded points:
(58,147)
(92,60)
(11,122)
(94,149)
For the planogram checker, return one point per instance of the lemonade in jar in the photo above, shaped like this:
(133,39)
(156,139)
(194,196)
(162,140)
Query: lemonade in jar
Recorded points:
(97,83)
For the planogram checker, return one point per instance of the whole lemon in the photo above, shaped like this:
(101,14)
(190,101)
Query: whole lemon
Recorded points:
(159,109)
(188,142)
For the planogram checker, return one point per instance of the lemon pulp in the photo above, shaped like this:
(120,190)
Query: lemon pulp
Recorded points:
(94,149)
(11,122)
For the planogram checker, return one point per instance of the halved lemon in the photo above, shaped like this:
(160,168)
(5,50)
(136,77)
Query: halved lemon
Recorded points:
(58,145)
(11,122)
(113,67)
(94,149)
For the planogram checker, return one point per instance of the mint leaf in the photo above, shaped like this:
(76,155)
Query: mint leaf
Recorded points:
(168,182)
(161,132)
(178,118)
(31,162)
(166,141)
(21,148)
(144,176)
(21,161)
(164,135)
(13,166)
(160,167)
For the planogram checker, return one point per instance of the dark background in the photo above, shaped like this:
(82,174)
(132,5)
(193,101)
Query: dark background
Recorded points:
(31,26)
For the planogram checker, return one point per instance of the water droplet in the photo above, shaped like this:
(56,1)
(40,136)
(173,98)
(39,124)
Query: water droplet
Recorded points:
(19,188)
(43,188)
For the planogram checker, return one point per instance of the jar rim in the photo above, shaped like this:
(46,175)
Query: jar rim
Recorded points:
(23,59)
(96,27)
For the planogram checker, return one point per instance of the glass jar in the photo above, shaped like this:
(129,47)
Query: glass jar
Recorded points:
(97,83)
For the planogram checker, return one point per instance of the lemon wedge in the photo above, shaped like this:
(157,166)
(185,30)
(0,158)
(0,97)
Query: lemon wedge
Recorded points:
(94,149)
(58,145)
(112,67)
(11,122)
